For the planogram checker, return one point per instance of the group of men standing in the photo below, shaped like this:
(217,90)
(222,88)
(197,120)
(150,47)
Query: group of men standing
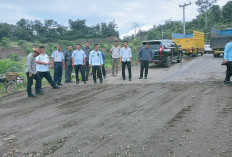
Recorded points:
(81,60)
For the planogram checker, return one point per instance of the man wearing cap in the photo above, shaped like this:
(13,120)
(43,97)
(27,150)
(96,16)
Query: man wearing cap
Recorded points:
(96,62)
(145,55)
(115,51)
(87,51)
(68,64)
(78,62)
(32,73)
(42,68)
(58,65)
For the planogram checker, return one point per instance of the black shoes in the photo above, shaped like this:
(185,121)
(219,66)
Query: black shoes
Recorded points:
(60,84)
(140,77)
(95,82)
(32,96)
(39,92)
(77,82)
(145,77)
(228,83)
(55,87)
(84,82)
(124,79)
(101,81)
(130,79)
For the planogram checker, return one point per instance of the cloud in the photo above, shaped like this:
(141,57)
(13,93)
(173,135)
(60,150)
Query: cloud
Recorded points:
(125,13)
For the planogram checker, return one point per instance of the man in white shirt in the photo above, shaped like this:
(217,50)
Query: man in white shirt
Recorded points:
(115,51)
(58,65)
(126,60)
(42,67)
(96,62)
(78,62)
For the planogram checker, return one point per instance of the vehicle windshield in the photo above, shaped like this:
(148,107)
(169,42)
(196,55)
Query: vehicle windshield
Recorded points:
(154,45)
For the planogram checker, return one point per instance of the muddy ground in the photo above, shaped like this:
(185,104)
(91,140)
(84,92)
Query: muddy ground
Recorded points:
(184,111)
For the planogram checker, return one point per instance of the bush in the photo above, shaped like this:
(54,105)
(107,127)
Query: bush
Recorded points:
(13,57)
(5,42)
(7,65)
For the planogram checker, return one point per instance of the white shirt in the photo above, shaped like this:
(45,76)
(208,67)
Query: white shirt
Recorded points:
(115,52)
(125,54)
(41,67)
(58,56)
(78,56)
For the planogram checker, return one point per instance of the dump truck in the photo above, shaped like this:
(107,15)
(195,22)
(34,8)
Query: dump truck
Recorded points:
(218,40)
(191,44)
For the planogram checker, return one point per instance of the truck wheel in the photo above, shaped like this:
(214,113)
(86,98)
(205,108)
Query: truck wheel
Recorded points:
(180,58)
(11,87)
(169,62)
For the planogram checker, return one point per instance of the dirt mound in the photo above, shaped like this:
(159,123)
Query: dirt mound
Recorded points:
(4,52)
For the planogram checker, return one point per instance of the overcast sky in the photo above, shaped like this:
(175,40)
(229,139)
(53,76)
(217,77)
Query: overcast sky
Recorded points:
(145,13)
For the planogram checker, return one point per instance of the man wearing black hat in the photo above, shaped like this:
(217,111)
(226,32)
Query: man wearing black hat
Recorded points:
(32,73)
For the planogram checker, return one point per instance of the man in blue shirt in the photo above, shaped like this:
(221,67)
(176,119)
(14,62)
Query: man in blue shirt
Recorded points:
(126,60)
(96,62)
(42,67)
(145,55)
(228,61)
(78,62)
(58,65)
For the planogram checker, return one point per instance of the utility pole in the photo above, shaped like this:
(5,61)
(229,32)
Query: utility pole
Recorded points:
(184,5)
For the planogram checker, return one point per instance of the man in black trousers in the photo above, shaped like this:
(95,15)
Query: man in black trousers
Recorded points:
(145,55)
(42,67)
(32,73)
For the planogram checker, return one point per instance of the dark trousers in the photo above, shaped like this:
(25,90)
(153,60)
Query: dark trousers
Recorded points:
(77,69)
(97,69)
(124,64)
(47,76)
(30,83)
(58,71)
(104,70)
(68,73)
(228,71)
(144,65)
(87,68)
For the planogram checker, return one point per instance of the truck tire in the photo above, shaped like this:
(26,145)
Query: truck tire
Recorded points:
(169,62)
(180,58)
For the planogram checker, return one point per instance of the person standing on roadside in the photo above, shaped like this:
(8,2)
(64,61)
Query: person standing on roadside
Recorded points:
(103,66)
(68,64)
(126,60)
(87,51)
(96,62)
(228,61)
(115,51)
(145,55)
(79,62)
(58,65)
(42,67)
(32,73)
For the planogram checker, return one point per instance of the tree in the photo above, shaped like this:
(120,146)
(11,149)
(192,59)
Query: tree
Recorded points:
(204,6)
(226,12)
(215,15)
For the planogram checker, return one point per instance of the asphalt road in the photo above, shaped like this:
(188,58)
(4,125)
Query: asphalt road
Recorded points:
(183,111)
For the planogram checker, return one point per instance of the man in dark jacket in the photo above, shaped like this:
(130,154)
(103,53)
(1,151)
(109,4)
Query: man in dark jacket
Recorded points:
(145,55)
(68,64)
(87,51)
